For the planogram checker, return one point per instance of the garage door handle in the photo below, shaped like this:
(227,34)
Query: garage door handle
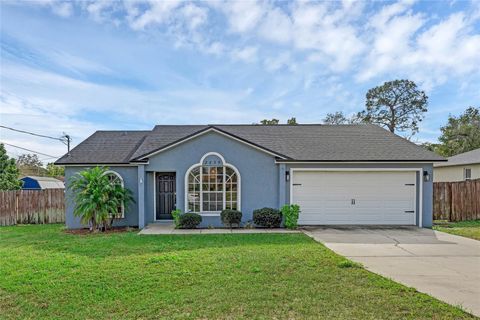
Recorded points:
(297,184)
(409,184)
(410,211)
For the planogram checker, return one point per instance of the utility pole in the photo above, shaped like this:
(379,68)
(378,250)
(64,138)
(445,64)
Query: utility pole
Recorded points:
(68,143)
(66,139)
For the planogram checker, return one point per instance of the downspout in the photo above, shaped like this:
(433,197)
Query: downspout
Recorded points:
(141,196)
(281,185)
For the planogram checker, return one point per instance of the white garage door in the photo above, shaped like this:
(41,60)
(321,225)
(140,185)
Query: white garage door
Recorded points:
(355,197)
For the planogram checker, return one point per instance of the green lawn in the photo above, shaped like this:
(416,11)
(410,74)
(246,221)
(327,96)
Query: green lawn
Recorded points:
(46,273)
(469,229)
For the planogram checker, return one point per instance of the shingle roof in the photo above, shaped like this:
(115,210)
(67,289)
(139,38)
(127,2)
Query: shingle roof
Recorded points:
(290,142)
(105,147)
(469,157)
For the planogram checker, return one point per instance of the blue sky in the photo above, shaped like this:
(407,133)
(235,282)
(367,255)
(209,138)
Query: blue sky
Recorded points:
(82,66)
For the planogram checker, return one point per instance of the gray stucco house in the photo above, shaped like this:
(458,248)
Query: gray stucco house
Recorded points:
(338,174)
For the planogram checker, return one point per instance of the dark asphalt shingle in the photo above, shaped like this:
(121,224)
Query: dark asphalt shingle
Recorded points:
(300,142)
(105,147)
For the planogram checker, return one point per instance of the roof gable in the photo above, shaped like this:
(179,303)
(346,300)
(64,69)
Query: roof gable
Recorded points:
(158,138)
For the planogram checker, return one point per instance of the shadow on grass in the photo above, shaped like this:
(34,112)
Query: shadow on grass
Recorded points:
(53,238)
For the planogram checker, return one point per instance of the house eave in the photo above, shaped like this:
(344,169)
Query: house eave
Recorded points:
(356,161)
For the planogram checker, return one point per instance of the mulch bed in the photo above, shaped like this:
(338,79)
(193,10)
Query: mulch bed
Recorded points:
(113,230)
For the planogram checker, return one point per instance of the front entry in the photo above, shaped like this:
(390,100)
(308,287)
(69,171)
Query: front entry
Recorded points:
(166,197)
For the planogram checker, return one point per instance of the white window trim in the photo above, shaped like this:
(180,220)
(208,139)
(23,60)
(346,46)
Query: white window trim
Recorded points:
(225,164)
(123,186)
(419,188)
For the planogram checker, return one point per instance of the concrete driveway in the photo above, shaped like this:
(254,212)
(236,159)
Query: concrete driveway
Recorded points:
(442,265)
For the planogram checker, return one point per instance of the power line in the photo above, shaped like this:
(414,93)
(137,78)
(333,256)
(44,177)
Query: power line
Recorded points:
(33,134)
(43,154)
(65,139)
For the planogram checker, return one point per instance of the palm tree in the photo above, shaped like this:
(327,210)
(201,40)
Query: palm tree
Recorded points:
(96,198)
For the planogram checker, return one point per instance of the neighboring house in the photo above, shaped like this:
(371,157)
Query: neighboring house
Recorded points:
(464,166)
(41,183)
(338,174)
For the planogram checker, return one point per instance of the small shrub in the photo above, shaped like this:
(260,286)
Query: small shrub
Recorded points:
(348,264)
(231,217)
(249,225)
(189,220)
(291,212)
(176,217)
(267,217)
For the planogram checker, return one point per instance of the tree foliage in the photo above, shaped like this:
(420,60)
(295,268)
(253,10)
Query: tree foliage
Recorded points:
(335,118)
(274,121)
(292,121)
(30,164)
(269,122)
(9,174)
(29,160)
(397,105)
(460,134)
(96,198)
(55,171)
(340,118)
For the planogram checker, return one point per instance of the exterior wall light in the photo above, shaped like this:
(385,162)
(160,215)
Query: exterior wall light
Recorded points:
(287,175)
(426,176)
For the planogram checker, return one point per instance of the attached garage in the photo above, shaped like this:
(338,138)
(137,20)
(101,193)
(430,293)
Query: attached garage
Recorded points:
(373,197)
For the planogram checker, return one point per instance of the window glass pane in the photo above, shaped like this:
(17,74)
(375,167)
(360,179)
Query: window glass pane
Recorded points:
(214,183)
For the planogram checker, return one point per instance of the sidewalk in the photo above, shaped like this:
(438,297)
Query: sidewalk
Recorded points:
(170,229)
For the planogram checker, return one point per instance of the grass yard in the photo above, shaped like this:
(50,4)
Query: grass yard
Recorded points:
(46,273)
(469,229)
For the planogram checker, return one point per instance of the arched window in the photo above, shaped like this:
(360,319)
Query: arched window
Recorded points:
(116,178)
(212,185)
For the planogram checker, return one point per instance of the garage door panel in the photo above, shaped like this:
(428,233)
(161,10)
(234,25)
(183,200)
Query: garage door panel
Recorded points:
(325,197)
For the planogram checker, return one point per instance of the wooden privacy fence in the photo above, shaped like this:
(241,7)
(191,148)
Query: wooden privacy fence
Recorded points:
(32,206)
(456,201)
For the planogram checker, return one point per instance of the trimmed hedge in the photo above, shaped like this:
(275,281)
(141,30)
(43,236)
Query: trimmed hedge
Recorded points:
(267,217)
(189,220)
(231,217)
(291,213)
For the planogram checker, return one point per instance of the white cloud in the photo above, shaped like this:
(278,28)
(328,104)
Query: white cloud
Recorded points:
(417,46)
(391,41)
(327,35)
(284,59)
(215,48)
(194,16)
(276,27)
(76,63)
(100,10)
(247,54)
(62,9)
(157,13)
(242,16)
